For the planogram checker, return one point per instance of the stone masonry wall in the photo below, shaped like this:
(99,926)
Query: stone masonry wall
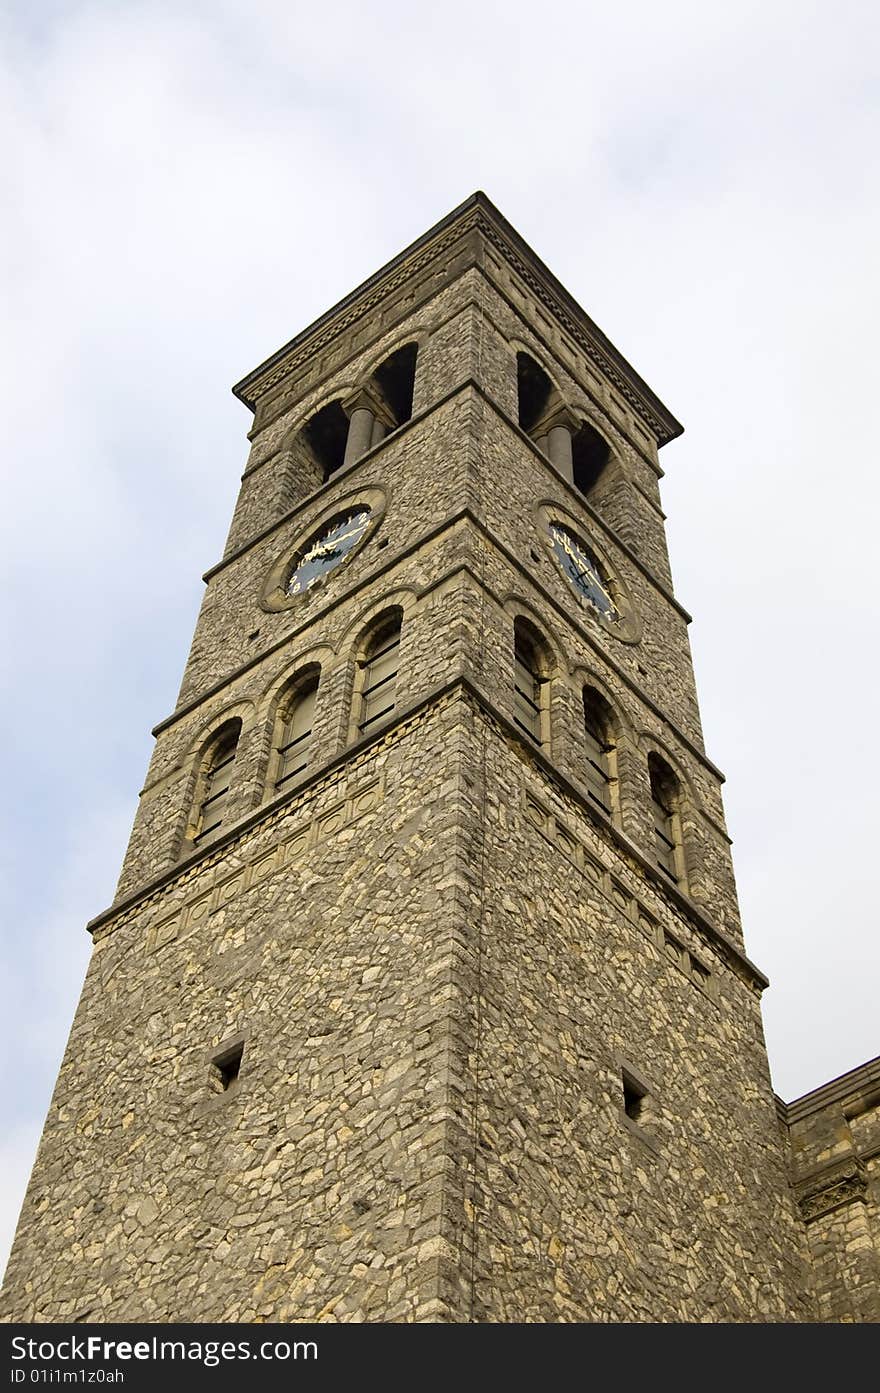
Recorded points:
(586,970)
(431,1074)
(834,1140)
(314,1187)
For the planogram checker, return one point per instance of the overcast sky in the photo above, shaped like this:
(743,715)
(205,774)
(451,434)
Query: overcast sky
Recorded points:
(188,185)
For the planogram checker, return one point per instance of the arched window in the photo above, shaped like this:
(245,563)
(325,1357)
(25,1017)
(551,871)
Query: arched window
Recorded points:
(215,782)
(535,392)
(294,744)
(590,453)
(378,682)
(528,682)
(324,438)
(599,745)
(394,381)
(665,802)
(381,404)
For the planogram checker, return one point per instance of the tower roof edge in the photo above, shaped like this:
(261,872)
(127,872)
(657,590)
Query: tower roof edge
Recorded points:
(479,211)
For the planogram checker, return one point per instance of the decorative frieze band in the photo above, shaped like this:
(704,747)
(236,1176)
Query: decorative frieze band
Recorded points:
(220,885)
(261,382)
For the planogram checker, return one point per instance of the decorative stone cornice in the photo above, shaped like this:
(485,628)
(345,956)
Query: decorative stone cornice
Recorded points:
(853,1092)
(476,214)
(838,1185)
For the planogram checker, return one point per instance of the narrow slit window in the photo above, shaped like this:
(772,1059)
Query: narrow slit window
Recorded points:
(634,1095)
(294,749)
(226,1067)
(379,680)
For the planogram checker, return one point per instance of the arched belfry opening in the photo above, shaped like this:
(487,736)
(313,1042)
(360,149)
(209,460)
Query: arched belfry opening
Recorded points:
(665,803)
(342,431)
(531,671)
(395,381)
(590,454)
(325,437)
(599,747)
(214,780)
(544,415)
(535,392)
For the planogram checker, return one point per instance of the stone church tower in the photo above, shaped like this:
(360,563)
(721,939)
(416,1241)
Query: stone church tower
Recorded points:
(424,994)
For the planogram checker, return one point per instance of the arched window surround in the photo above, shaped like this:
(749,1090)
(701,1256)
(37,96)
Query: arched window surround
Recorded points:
(376,692)
(293,739)
(214,781)
(665,788)
(600,735)
(532,669)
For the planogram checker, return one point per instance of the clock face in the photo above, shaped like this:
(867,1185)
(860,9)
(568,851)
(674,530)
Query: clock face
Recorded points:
(582,571)
(325,551)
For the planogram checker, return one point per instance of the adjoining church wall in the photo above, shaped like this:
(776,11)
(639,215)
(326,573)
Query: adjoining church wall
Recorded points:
(834,1138)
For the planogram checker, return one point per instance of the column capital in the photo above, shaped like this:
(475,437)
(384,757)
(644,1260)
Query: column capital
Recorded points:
(560,416)
(367,399)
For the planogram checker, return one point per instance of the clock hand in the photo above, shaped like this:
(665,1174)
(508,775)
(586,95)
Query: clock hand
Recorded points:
(591,579)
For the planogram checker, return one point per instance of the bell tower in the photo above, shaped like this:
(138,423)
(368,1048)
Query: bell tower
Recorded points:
(424,994)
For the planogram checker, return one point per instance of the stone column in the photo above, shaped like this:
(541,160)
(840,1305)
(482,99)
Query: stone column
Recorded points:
(368,422)
(559,429)
(361,411)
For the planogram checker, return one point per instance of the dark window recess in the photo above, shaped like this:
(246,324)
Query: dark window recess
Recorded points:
(396,380)
(534,390)
(589,456)
(227,1066)
(326,435)
(634,1095)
